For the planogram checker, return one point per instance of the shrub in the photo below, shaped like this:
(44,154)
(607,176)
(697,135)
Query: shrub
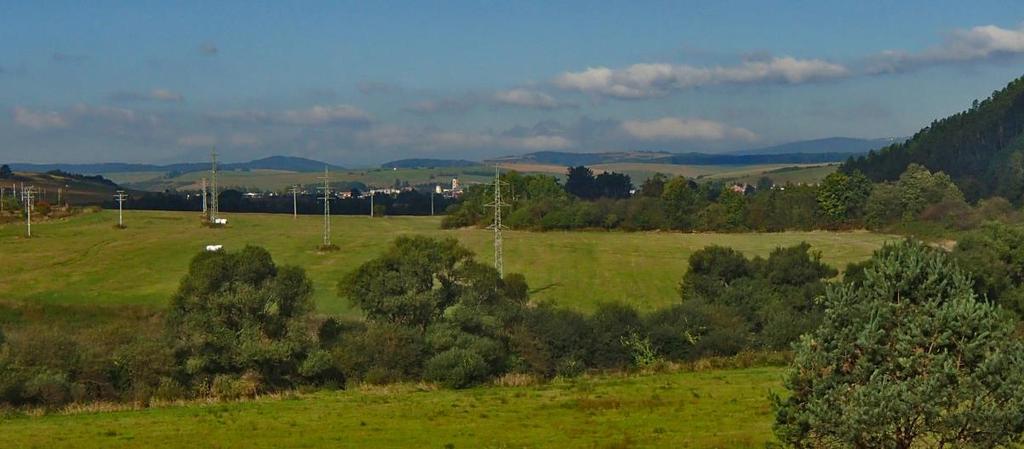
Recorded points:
(48,388)
(457,368)
(383,353)
(610,325)
(320,368)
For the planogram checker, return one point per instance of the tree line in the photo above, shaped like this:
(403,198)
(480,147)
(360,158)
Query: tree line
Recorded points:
(917,199)
(407,202)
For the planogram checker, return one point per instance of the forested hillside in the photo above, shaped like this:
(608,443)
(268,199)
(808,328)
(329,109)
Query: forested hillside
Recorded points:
(981,148)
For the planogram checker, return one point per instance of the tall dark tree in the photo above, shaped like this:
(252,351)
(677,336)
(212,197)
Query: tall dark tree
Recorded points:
(612,185)
(654,186)
(5,172)
(580,182)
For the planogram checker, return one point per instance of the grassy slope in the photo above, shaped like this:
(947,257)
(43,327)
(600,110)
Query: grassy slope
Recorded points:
(74,190)
(803,175)
(713,409)
(84,261)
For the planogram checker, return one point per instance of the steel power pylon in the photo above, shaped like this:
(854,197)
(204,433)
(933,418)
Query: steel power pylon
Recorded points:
(496,225)
(213,186)
(327,208)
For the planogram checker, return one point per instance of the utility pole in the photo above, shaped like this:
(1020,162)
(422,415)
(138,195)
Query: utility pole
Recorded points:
(29,194)
(327,210)
(431,202)
(213,186)
(295,202)
(371,202)
(120,196)
(1,199)
(499,263)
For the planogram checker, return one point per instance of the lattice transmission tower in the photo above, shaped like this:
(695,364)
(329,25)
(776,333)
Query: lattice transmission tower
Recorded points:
(327,208)
(499,258)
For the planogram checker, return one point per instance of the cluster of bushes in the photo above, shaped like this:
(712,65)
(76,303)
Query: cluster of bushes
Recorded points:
(239,325)
(919,199)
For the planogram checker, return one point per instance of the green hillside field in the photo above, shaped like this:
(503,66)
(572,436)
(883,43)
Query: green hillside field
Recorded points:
(709,409)
(84,262)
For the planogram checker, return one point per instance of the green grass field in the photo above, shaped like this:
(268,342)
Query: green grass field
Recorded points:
(712,409)
(84,262)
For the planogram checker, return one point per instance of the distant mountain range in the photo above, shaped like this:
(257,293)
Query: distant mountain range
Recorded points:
(428,163)
(287,163)
(832,149)
(836,145)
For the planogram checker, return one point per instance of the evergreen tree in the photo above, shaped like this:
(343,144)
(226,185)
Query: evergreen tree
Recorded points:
(908,358)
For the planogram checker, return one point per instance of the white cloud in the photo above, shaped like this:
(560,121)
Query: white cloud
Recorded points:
(38,119)
(965,45)
(528,99)
(325,115)
(391,136)
(314,116)
(659,79)
(674,128)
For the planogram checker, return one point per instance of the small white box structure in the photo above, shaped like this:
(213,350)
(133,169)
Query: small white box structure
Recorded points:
(214,247)
(220,221)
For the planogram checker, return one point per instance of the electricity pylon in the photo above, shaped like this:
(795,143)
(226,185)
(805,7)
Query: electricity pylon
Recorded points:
(327,209)
(206,211)
(496,225)
(213,186)
(120,196)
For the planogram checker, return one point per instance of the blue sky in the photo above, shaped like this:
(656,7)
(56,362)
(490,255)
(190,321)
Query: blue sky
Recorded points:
(364,82)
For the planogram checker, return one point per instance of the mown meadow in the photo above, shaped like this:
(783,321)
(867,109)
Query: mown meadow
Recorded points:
(84,262)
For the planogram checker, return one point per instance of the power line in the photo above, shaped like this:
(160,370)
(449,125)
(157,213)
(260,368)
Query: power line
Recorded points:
(496,225)
(327,209)
(120,196)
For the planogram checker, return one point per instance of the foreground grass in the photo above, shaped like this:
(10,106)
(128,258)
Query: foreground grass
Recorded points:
(714,409)
(84,262)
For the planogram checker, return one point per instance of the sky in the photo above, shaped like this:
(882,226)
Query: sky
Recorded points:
(361,83)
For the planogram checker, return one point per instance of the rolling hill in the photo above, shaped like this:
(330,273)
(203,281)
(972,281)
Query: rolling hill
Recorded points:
(565,159)
(75,189)
(981,148)
(284,163)
(835,145)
